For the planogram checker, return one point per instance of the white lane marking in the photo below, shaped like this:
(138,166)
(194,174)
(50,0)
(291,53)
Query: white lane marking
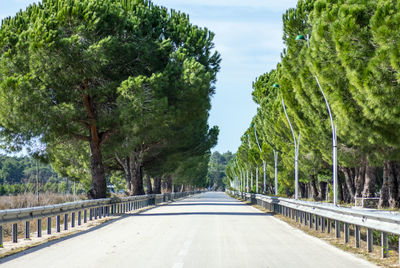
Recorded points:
(178,265)
(183,252)
(185,249)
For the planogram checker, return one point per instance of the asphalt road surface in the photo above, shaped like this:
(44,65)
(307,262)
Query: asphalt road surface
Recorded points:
(204,231)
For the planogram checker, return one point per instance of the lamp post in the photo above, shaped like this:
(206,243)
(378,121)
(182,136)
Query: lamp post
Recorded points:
(257,180)
(251,174)
(333,126)
(276,171)
(296,150)
(259,147)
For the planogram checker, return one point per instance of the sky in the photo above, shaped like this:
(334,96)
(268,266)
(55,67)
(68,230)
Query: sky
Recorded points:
(248,35)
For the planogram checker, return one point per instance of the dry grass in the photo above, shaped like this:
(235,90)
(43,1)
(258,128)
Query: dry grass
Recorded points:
(375,257)
(30,200)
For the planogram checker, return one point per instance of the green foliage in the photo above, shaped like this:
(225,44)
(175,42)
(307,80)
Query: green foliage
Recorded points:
(126,77)
(24,180)
(353,52)
(216,176)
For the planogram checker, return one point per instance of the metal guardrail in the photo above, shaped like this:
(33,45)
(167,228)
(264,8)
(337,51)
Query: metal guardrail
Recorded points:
(325,217)
(85,210)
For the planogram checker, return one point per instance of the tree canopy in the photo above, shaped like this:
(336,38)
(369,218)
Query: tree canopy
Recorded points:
(351,51)
(108,85)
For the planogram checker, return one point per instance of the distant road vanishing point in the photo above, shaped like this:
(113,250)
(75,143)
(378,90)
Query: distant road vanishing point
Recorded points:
(203,231)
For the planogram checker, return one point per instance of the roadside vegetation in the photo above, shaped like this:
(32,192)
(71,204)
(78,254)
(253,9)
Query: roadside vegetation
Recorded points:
(216,177)
(112,94)
(351,49)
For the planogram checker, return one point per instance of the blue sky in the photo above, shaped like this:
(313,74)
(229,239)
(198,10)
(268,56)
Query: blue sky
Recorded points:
(249,39)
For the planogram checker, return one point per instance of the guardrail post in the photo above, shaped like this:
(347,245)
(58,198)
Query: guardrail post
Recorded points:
(346,232)
(58,220)
(305,218)
(79,217)
(329,225)
(316,222)
(65,221)
(311,220)
(85,216)
(357,236)
(95,211)
(15,233)
(90,214)
(399,248)
(39,228)
(323,222)
(1,236)
(337,229)
(72,219)
(369,240)
(48,225)
(384,245)
(27,229)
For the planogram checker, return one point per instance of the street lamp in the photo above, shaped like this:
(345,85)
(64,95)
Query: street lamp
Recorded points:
(264,164)
(259,147)
(248,189)
(296,149)
(334,128)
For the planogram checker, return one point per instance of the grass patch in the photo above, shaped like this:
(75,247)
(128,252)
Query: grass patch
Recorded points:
(374,257)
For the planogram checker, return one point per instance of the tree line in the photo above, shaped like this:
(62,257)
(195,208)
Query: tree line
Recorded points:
(112,88)
(23,174)
(351,49)
(216,176)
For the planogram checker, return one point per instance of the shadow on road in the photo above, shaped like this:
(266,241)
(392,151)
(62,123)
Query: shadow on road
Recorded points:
(147,212)
(203,213)
(206,204)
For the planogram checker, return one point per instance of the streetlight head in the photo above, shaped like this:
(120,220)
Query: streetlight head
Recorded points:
(276,85)
(300,38)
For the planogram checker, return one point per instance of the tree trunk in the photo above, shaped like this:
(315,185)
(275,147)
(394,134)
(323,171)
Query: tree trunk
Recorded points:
(348,176)
(369,182)
(340,190)
(390,188)
(168,181)
(313,187)
(287,190)
(126,165)
(302,187)
(157,185)
(359,179)
(148,184)
(137,175)
(128,175)
(97,169)
(322,190)
(346,194)
(95,139)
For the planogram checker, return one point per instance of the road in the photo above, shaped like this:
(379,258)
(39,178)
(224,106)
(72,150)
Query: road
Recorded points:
(205,231)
